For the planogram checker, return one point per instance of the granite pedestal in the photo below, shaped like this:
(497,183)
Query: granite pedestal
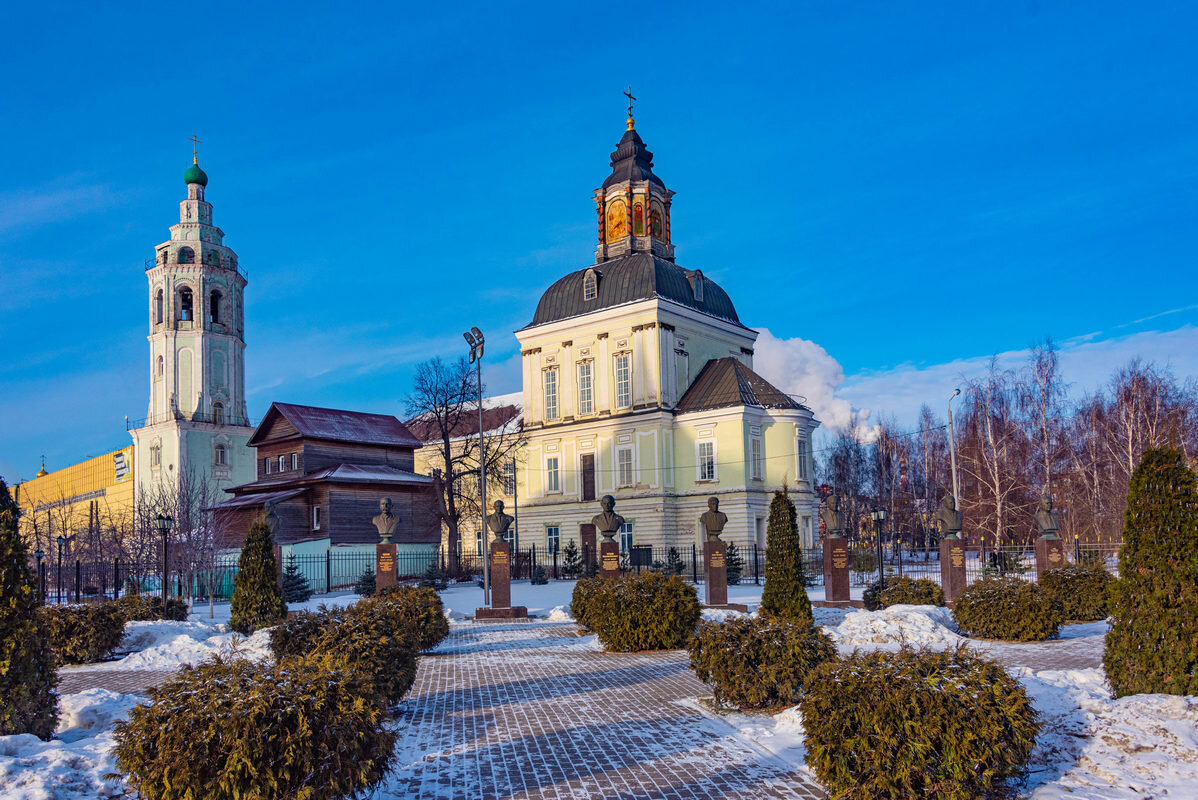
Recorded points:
(836,570)
(609,559)
(1050,554)
(384,573)
(715,576)
(952,568)
(501,586)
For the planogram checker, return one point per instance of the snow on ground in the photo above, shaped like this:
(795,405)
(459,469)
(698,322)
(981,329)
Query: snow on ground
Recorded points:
(169,645)
(1093,746)
(72,765)
(220,611)
(917,625)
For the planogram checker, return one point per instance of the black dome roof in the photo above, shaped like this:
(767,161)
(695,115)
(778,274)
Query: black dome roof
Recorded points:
(630,278)
(631,161)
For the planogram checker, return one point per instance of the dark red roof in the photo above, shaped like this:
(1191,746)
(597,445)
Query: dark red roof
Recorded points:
(495,417)
(725,382)
(336,425)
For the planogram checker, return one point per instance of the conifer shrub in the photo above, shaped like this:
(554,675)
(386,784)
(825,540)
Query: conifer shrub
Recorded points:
(417,609)
(758,662)
(1082,592)
(82,634)
(434,578)
(257,599)
(374,642)
(643,612)
(734,564)
(582,599)
(1152,645)
(1007,608)
(28,703)
(297,635)
(234,729)
(539,578)
(903,591)
(366,583)
(571,559)
(295,586)
(915,723)
(785,592)
(148,608)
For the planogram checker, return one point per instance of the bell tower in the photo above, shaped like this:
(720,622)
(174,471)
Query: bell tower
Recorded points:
(633,204)
(196,422)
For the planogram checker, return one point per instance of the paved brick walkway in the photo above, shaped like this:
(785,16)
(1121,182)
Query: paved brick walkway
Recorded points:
(531,712)
(139,681)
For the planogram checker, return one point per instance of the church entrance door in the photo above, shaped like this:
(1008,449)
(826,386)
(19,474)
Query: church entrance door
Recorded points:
(588,476)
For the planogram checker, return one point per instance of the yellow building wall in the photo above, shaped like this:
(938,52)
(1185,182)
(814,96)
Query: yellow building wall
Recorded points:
(61,498)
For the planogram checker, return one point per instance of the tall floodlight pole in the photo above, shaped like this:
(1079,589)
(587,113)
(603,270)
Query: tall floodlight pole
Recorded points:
(952,450)
(474,338)
(163,524)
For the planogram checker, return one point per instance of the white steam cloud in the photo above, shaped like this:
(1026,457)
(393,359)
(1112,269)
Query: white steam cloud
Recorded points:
(802,367)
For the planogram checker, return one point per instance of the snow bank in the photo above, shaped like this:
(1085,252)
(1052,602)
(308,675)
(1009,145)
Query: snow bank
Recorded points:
(72,765)
(1093,746)
(559,614)
(721,614)
(169,645)
(918,625)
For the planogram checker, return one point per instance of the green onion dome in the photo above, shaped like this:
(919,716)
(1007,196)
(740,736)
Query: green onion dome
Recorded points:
(195,175)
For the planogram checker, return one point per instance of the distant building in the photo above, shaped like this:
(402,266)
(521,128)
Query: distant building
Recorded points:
(323,471)
(95,495)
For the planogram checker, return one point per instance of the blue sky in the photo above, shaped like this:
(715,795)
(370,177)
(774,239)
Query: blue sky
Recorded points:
(910,186)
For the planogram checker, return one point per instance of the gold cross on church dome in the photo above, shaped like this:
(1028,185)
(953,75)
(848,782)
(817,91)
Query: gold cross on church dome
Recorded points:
(628,94)
(195,152)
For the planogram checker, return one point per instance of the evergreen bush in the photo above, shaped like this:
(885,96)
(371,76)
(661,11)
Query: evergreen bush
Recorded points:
(674,565)
(915,723)
(295,586)
(148,608)
(872,596)
(239,730)
(864,560)
(257,599)
(735,564)
(903,591)
(374,641)
(417,610)
(366,583)
(785,592)
(434,578)
(28,703)
(758,662)
(1153,642)
(538,576)
(82,634)
(1007,608)
(1082,592)
(297,635)
(643,612)
(571,559)
(582,599)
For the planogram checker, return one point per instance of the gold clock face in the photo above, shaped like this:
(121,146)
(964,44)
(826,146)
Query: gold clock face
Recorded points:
(617,221)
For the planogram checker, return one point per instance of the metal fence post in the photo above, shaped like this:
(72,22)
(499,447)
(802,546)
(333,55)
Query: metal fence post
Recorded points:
(77,578)
(756,568)
(116,578)
(694,566)
(555,573)
(328,570)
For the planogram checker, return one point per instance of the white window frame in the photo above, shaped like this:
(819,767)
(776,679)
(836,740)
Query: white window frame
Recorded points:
(586,389)
(590,287)
(553,539)
(702,474)
(282,463)
(315,518)
(156,455)
(802,463)
(625,539)
(549,388)
(553,475)
(623,385)
(478,543)
(507,479)
(220,456)
(295,460)
(266,462)
(625,458)
(756,458)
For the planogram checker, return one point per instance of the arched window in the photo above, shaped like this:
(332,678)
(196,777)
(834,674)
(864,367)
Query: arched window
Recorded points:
(161,366)
(218,414)
(186,255)
(221,456)
(590,286)
(657,220)
(185,306)
(214,306)
(158,308)
(697,279)
(214,258)
(638,219)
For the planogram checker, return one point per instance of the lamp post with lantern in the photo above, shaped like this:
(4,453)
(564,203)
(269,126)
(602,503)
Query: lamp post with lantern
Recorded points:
(163,523)
(879,517)
(58,583)
(39,554)
(474,338)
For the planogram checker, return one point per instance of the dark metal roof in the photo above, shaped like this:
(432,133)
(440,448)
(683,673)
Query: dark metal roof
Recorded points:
(726,382)
(339,473)
(494,418)
(638,276)
(631,161)
(338,426)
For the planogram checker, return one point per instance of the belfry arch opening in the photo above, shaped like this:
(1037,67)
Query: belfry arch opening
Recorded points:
(214,306)
(186,313)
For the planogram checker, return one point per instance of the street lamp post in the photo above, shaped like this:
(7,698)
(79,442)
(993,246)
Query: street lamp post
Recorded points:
(952,450)
(474,338)
(58,583)
(879,517)
(39,554)
(164,530)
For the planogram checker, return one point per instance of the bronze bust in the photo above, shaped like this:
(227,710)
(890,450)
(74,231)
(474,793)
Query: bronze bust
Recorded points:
(498,522)
(608,522)
(270,517)
(713,519)
(831,517)
(948,518)
(1046,519)
(385,521)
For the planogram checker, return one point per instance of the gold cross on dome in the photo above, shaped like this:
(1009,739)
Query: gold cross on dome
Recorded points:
(628,94)
(195,141)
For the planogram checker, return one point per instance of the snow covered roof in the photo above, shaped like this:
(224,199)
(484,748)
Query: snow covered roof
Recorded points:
(259,499)
(336,425)
(503,413)
(341,473)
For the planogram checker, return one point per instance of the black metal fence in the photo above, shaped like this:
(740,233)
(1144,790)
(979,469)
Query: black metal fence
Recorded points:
(333,571)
